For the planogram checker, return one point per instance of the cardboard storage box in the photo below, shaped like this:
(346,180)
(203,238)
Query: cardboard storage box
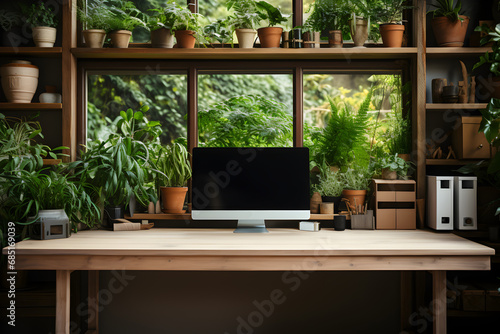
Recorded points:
(468,142)
(394,203)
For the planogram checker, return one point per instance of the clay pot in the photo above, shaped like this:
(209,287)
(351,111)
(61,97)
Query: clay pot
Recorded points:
(185,39)
(162,38)
(392,34)
(120,38)
(94,38)
(312,39)
(335,39)
(359,31)
(449,33)
(173,199)
(270,37)
(19,81)
(246,38)
(44,37)
(388,174)
(315,202)
(326,208)
(355,197)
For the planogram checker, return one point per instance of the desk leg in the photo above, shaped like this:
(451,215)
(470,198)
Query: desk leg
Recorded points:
(93,299)
(439,301)
(63,278)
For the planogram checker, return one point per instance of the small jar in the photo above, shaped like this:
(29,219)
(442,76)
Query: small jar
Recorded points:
(50,95)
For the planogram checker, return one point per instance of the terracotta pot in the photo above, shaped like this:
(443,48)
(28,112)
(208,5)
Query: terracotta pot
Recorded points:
(388,174)
(335,39)
(315,202)
(246,38)
(449,33)
(173,199)
(162,38)
(392,34)
(270,37)
(359,31)
(120,38)
(94,38)
(19,81)
(44,37)
(312,39)
(185,39)
(355,197)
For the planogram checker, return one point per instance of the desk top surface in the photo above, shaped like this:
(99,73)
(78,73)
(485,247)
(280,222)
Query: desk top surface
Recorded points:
(284,242)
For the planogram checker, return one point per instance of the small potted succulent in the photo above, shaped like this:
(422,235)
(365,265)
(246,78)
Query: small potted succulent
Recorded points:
(94,17)
(270,36)
(246,17)
(122,21)
(160,25)
(43,22)
(448,23)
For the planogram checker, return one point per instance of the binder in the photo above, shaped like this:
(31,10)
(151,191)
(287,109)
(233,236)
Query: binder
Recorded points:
(440,202)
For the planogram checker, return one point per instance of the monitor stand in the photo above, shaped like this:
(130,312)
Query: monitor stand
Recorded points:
(251,226)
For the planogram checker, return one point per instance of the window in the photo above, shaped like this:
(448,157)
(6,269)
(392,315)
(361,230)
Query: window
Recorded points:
(165,94)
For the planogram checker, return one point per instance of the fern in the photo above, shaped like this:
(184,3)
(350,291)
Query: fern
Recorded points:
(343,140)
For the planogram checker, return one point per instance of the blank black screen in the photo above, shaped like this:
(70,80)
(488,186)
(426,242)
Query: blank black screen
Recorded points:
(250,178)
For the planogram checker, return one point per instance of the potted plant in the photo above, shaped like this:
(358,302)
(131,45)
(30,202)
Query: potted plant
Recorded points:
(43,22)
(394,167)
(330,187)
(356,181)
(244,20)
(360,22)
(160,25)
(123,19)
(219,31)
(187,26)
(448,23)
(94,17)
(270,36)
(331,16)
(118,166)
(174,164)
(389,15)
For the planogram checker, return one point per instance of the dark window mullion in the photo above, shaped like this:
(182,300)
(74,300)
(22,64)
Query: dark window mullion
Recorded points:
(298,107)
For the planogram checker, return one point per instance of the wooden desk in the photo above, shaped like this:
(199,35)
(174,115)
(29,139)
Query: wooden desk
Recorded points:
(222,250)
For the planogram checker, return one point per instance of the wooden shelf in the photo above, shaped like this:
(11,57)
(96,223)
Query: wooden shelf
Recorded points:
(238,54)
(455,106)
(160,216)
(444,52)
(449,162)
(320,216)
(30,106)
(31,51)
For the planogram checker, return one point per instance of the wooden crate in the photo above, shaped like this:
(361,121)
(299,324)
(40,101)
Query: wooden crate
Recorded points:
(468,142)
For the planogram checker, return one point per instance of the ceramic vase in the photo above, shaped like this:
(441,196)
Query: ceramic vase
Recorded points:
(44,37)
(19,81)
(246,38)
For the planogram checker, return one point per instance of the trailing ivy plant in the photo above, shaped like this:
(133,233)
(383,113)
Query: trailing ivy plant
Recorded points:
(39,15)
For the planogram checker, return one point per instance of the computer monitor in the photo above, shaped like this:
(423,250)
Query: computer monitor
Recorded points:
(250,185)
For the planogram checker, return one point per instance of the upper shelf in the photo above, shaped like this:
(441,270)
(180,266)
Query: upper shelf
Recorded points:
(30,106)
(238,54)
(31,51)
(446,52)
(455,106)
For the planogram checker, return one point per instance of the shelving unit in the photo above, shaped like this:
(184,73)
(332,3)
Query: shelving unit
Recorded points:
(449,162)
(30,106)
(455,106)
(31,51)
